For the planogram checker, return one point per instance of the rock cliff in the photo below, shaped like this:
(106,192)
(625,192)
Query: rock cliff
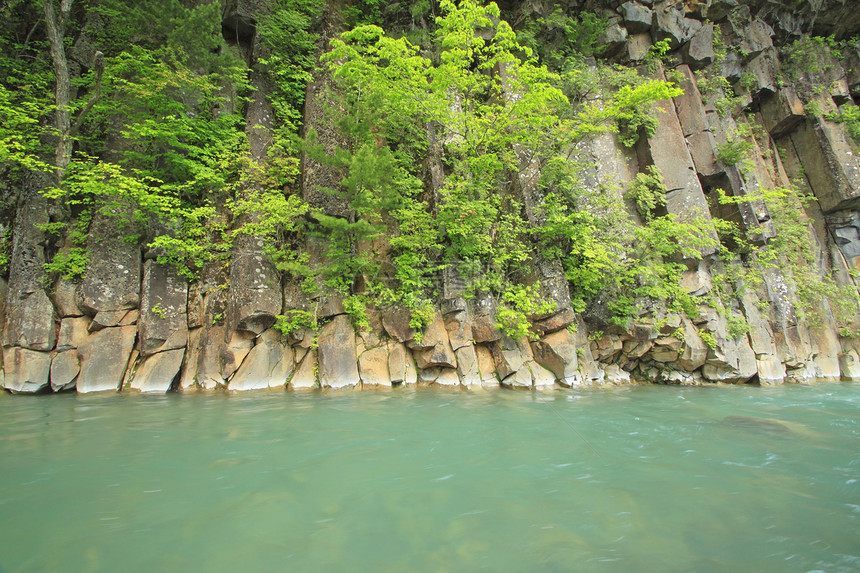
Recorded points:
(758,80)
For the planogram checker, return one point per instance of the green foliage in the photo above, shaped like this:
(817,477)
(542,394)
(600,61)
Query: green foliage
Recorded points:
(276,218)
(849,115)
(70,263)
(295,320)
(159,310)
(356,308)
(793,251)
(709,339)
(733,151)
(748,81)
(5,250)
(560,39)
(633,108)
(181,149)
(807,60)
(422,314)
(490,104)
(194,31)
(290,43)
(519,304)
(737,326)
(648,192)
(656,55)
(26,90)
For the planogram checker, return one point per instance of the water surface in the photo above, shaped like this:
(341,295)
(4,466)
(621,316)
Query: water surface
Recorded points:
(639,478)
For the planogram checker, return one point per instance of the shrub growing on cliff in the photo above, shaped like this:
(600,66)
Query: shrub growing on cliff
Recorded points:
(648,192)
(497,115)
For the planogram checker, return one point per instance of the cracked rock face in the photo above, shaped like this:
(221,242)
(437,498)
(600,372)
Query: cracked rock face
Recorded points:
(133,324)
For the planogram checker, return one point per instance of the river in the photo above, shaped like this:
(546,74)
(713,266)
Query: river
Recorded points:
(642,478)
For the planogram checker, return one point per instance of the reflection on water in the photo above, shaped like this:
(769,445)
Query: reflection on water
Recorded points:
(641,478)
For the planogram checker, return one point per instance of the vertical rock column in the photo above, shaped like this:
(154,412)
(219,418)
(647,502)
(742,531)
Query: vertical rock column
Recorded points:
(667,150)
(255,290)
(30,332)
(110,294)
(163,327)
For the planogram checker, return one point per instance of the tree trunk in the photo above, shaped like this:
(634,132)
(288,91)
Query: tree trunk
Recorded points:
(62,116)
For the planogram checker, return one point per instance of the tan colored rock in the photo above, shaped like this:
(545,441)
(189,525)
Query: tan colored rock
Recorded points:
(373,367)
(770,370)
(482,311)
(541,377)
(395,321)
(337,354)
(508,356)
(557,353)
(849,365)
(670,24)
(130,370)
(592,372)
(607,347)
(164,298)
(304,377)
(829,162)
(299,353)
(195,306)
(65,299)
(435,348)
(74,331)
(255,290)
(615,375)
(664,354)
(486,366)
(211,345)
(676,377)
(188,377)
(557,321)
(411,371)
(697,282)
(238,346)
(467,366)
(695,351)
(371,336)
(158,371)
(131,317)
(26,371)
(668,151)
(699,51)
(459,329)
(668,342)
(826,354)
(398,356)
(104,359)
(65,367)
(30,321)
(638,46)
(429,375)
(782,112)
(112,278)
(268,365)
(107,319)
(637,18)
(447,377)
(521,378)
(635,349)
(695,125)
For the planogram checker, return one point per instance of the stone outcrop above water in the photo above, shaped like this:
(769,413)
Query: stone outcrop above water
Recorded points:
(131,323)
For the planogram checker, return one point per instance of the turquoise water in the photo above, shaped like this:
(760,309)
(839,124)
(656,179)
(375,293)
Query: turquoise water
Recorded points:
(632,479)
